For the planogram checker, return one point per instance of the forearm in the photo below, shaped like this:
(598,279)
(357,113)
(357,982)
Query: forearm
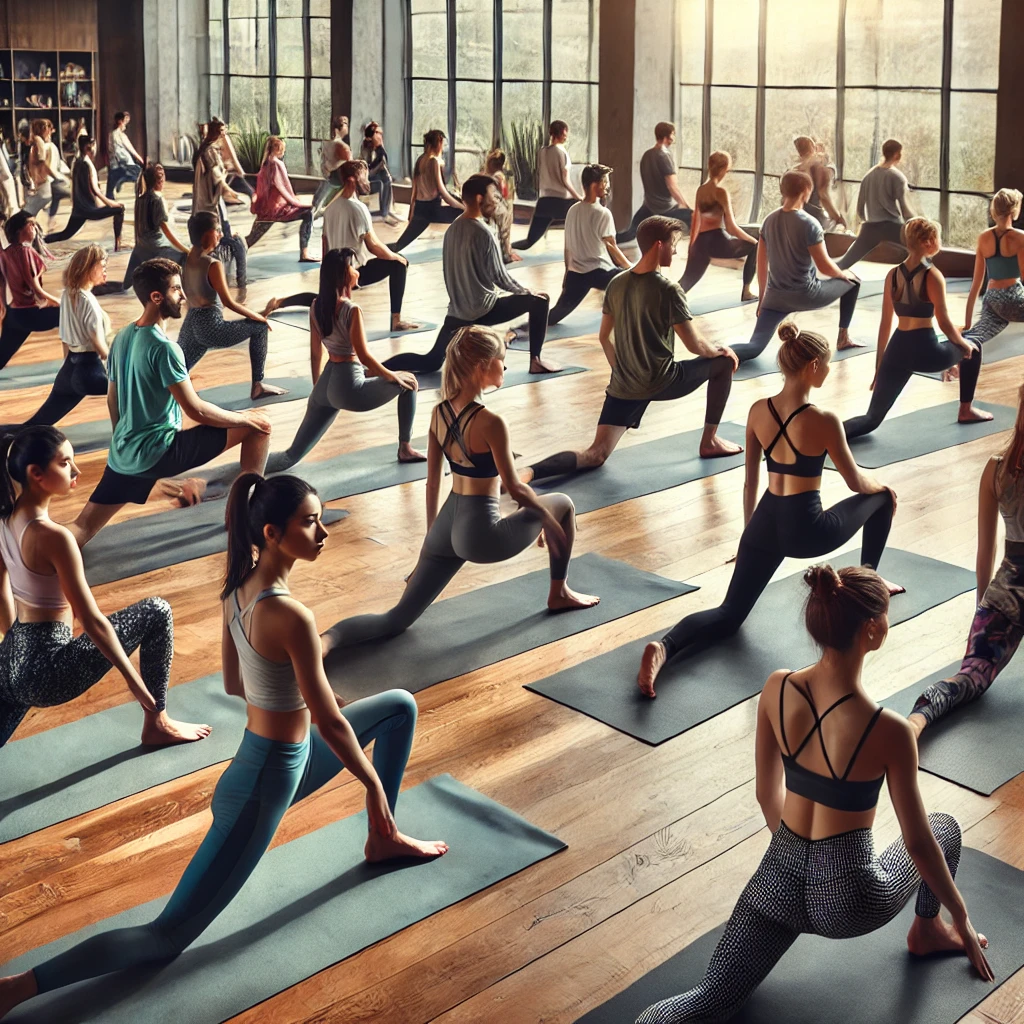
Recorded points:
(931,863)
(171,237)
(772,803)
(101,633)
(619,258)
(341,738)
(433,499)
(209,415)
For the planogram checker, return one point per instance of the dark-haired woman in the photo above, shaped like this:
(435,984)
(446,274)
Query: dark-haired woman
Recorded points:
(32,308)
(824,748)
(43,590)
(428,192)
(375,156)
(210,194)
(352,379)
(87,201)
(152,225)
(788,521)
(272,660)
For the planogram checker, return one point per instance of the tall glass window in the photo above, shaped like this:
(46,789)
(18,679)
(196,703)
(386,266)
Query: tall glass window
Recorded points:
(844,73)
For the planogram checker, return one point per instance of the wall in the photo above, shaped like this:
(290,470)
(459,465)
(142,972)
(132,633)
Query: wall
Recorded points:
(122,70)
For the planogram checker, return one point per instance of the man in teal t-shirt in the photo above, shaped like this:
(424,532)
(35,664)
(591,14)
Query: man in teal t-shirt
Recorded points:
(148,391)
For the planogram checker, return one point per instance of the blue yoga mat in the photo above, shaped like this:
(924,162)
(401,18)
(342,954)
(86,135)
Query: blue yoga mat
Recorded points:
(29,375)
(300,318)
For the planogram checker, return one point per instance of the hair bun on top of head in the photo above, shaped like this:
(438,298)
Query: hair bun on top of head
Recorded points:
(823,580)
(788,330)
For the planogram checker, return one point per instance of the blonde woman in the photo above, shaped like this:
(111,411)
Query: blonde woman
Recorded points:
(504,213)
(276,201)
(714,232)
(469,526)
(813,161)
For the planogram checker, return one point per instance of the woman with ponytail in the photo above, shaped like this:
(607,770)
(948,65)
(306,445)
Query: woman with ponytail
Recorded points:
(43,590)
(469,526)
(272,660)
(820,874)
(154,237)
(788,521)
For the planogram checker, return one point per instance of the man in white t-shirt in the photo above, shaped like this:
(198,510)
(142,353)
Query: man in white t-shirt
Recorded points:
(556,191)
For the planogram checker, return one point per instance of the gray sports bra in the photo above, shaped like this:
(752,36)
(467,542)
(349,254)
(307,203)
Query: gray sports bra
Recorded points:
(270,685)
(195,280)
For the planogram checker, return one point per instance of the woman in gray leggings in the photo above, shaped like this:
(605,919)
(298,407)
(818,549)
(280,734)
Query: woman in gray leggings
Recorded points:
(469,526)
(336,323)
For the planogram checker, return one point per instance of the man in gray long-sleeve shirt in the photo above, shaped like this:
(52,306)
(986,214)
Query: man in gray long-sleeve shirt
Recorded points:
(475,276)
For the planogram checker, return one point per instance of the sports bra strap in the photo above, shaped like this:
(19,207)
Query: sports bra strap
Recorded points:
(864,736)
(782,717)
(455,426)
(999,238)
(241,612)
(782,428)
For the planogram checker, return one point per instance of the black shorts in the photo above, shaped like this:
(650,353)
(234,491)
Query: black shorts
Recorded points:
(623,412)
(190,448)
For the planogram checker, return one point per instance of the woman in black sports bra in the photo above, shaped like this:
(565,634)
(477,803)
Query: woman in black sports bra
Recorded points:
(469,526)
(914,292)
(823,749)
(788,521)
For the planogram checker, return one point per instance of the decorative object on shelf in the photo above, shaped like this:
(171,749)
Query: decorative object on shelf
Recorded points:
(71,72)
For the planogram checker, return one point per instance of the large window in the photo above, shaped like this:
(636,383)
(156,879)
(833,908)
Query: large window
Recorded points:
(754,74)
(491,72)
(270,67)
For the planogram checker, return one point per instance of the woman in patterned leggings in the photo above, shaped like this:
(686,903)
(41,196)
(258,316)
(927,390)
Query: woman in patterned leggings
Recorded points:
(820,873)
(42,588)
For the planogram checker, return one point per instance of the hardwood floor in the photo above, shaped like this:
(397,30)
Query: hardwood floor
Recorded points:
(660,840)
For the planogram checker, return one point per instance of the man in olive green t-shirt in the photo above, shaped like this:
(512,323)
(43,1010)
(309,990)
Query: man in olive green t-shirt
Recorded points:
(646,312)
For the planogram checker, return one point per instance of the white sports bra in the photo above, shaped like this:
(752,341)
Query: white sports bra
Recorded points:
(40,590)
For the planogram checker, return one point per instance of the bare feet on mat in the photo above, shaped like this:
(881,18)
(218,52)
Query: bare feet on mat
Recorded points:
(929,935)
(185,492)
(918,723)
(968,414)
(651,664)
(404,325)
(271,306)
(894,588)
(845,341)
(161,731)
(564,598)
(306,257)
(747,295)
(718,448)
(406,453)
(540,366)
(264,390)
(950,375)
(16,989)
(393,847)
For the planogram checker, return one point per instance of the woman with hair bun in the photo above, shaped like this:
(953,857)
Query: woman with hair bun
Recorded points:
(915,293)
(430,202)
(823,750)
(788,521)
(469,526)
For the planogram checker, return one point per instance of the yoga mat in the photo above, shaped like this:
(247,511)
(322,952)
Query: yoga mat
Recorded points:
(693,689)
(767,361)
(644,469)
(268,263)
(300,318)
(486,626)
(135,546)
(922,432)
(29,375)
(433,251)
(1007,345)
(514,376)
(867,980)
(309,904)
(978,745)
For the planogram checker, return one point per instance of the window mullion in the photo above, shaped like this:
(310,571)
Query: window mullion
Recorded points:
(709,70)
(548,17)
(840,147)
(307,91)
(947,78)
(497,58)
(225,85)
(407,128)
(452,101)
(759,110)
(275,125)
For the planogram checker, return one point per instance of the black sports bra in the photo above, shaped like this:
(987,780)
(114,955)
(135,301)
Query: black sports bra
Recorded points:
(835,791)
(913,303)
(803,465)
(482,464)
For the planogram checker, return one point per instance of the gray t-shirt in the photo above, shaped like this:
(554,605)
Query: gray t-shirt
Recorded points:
(474,272)
(655,165)
(882,195)
(789,234)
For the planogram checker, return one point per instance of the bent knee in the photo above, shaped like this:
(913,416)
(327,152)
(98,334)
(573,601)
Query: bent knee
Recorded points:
(401,702)
(944,825)
(158,607)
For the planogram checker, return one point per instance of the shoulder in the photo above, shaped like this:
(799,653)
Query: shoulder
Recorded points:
(896,734)
(58,541)
(493,425)
(771,690)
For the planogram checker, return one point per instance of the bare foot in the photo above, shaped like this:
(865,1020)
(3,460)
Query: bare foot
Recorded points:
(718,448)
(161,731)
(406,453)
(651,664)
(972,415)
(192,491)
(380,848)
(563,598)
(540,366)
(918,723)
(845,341)
(404,325)
(305,257)
(930,935)
(262,390)
(747,295)
(950,375)
(273,305)
(894,588)
(15,990)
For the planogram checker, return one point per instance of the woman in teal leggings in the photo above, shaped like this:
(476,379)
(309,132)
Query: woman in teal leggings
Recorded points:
(272,658)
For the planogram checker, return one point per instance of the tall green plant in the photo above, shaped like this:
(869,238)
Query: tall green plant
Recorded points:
(523,140)
(249,139)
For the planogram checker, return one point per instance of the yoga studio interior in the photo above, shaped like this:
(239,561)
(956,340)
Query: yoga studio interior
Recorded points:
(511,511)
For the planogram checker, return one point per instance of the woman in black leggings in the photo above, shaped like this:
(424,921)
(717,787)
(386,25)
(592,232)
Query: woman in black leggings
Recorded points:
(87,201)
(915,292)
(430,202)
(788,521)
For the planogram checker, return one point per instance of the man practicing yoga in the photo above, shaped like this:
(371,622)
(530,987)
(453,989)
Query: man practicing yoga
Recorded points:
(647,312)
(556,190)
(661,187)
(148,392)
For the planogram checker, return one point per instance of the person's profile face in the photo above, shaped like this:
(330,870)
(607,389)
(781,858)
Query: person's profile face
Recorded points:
(172,300)
(489,201)
(667,251)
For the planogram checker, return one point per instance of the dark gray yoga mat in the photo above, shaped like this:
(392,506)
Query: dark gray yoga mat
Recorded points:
(868,980)
(300,318)
(135,546)
(486,626)
(767,361)
(309,904)
(978,745)
(693,689)
(1007,345)
(925,431)
(29,375)
(433,252)
(644,469)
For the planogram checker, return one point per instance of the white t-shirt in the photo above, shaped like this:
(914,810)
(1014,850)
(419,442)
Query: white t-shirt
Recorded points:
(585,225)
(550,162)
(81,321)
(346,224)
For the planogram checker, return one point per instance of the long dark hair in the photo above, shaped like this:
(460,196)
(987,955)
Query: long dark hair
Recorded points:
(214,130)
(256,502)
(333,282)
(29,446)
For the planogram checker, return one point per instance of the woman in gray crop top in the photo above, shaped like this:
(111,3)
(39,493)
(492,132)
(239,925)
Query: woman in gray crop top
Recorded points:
(206,288)
(272,660)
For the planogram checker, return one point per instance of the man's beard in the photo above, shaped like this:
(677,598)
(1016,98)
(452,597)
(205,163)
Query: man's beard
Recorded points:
(170,309)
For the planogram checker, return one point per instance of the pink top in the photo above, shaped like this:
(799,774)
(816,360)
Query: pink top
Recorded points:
(40,590)
(275,199)
(21,263)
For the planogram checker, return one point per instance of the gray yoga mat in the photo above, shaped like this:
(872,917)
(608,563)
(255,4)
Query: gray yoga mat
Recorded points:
(486,626)
(767,361)
(135,546)
(300,318)
(644,469)
(264,264)
(309,904)
(693,689)
(514,376)
(978,745)
(29,375)
(433,252)
(867,980)
(1007,345)
(925,431)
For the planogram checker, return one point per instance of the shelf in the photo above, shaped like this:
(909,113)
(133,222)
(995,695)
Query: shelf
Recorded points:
(35,81)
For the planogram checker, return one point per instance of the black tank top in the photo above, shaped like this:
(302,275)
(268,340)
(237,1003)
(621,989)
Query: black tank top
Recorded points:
(914,299)
(803,465)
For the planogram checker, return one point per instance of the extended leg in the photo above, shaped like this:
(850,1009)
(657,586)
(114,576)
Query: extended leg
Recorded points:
(417,225)
(574,290)
(258,230)
(890,381)
(768,321)
(61,400)
(427,362)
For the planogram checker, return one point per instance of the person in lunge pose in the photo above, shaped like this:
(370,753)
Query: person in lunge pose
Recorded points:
(662,196)
(271,659)
(211,194)
(32,308)
(820,874)
(430,201)
(123,160)
(557,193)
(375,156)
(87,201)
(814,163)
(333,153)
(154,237)
(277,203)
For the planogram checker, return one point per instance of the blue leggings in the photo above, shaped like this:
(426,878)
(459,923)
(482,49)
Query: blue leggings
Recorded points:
(261,783)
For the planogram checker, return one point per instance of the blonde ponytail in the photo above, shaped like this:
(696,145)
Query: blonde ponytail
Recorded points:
(469,350)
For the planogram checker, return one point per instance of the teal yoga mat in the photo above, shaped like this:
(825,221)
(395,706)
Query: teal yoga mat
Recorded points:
(309,904)
(29,375)
(300,318)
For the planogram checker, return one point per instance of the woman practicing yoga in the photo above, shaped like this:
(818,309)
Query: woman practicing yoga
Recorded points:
(336,323)
(154,238)
(42,591)
(820,874)
(210,194)
(271,659)
(277,203)
(206,288)
(375,156)
(470,527)
(998,624)
(87,201)
(428,191)
(504,212)
(789,251)
(813,161)
(915,293)
(31,307)
(714,232)
(788,521)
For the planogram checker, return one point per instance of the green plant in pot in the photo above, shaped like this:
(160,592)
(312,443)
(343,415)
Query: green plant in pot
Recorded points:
(249,139)
(522,141)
